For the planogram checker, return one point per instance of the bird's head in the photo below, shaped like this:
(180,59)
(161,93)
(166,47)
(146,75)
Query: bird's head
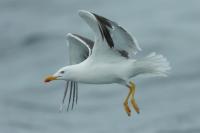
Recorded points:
(61,74)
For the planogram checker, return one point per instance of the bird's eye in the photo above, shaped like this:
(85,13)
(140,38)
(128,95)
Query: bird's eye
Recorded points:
(62,72)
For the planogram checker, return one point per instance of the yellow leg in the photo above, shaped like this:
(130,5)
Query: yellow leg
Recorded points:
(126,107)
(133,102)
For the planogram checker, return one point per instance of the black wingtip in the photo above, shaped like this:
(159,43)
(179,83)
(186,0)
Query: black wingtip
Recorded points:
(74,91)
(103,27)
(73,94)
(69,96)
(65,93)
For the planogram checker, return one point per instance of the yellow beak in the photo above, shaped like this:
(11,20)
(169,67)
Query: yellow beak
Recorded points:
(50,78)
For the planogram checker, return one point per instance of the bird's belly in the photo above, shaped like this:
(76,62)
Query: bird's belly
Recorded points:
(98,78)
(98,75)
(104,73)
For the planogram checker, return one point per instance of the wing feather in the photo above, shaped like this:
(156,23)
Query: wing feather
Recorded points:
(79,48)
(118,40)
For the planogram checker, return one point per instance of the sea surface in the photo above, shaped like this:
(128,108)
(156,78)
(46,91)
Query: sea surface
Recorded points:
(33,45)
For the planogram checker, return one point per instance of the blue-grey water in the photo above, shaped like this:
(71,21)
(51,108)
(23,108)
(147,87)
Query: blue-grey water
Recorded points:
(33,45)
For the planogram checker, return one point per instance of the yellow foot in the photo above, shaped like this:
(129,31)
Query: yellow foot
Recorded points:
(127,109)
(133,102)
(135,106)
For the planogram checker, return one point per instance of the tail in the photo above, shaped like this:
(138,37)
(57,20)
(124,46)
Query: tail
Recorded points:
(153,64)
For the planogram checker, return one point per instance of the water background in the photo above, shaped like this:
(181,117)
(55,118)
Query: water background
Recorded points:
(33,45)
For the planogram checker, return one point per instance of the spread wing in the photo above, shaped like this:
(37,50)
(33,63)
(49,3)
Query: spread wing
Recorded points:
(123,40)
(109,35)
(79,48)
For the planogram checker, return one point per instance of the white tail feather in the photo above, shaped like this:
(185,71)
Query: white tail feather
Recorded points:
(154,64)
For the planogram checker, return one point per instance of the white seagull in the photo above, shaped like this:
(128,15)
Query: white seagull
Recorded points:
(109,59)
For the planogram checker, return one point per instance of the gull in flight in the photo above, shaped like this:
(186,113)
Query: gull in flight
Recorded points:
(106,60)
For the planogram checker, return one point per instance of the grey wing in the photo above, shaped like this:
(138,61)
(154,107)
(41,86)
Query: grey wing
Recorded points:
(123,40)
(79,48)
(117,37)
(110,33)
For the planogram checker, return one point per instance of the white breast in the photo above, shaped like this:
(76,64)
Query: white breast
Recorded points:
(92,72)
